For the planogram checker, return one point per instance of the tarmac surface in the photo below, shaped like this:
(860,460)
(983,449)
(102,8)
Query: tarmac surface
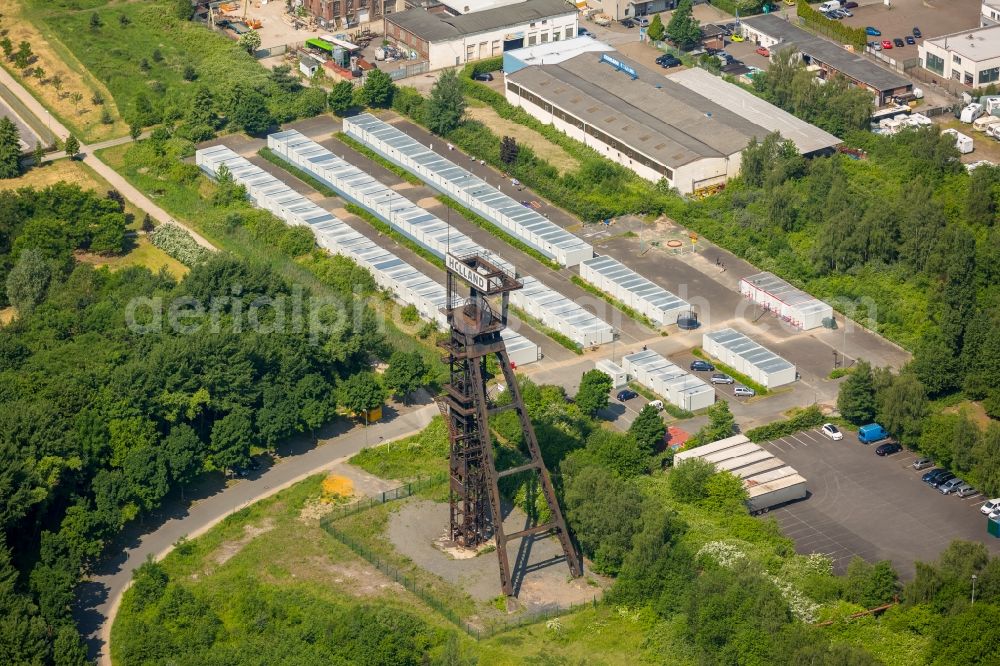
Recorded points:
(861,505)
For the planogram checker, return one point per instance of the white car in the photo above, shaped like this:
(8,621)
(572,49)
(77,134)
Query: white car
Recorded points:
(992,506)
(657,405)
(832,431)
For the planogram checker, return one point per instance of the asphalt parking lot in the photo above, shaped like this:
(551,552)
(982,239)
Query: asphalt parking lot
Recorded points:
(871,507)
(933,17)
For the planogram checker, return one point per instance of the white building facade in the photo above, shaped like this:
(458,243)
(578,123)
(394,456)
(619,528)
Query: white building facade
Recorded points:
(971,57)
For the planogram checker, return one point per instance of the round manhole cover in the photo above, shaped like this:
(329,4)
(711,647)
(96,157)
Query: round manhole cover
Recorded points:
(674,243)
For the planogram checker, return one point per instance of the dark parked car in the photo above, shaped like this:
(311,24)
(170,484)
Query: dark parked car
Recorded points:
(483,76)
(667,60)
(917,33)
(628,23)
(874,32)
(898,42)
(910,40)
(888,449)
(626,394)
(930,476)
(943,478)
(850,5)
(702,366)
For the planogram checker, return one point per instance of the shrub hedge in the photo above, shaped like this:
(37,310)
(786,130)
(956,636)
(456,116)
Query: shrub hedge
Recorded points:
(833,29)
(809,417)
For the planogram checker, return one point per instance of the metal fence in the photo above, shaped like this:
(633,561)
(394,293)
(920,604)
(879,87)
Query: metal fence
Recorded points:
(408,70)
(281,49)
(424,591)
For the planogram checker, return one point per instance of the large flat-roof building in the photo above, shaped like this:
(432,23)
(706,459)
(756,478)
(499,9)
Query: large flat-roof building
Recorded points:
(447,40)
(970,56)
(660,127)
(775,33)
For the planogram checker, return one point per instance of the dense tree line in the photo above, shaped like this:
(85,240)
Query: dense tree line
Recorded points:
(836,105)
(43,228)
(117,387)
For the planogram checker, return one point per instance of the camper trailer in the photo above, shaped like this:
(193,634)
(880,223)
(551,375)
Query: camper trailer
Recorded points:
(962,142)
(971,112)
(982,123)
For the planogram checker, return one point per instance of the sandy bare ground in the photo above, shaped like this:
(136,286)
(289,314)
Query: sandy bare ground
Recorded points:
(543,148)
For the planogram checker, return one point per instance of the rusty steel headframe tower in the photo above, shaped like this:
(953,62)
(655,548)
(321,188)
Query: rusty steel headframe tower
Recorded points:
(475,325)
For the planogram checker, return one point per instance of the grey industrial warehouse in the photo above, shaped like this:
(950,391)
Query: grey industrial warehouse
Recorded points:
(776,33)
(689,128)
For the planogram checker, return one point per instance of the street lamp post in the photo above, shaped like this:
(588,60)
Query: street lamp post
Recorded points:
(974,577)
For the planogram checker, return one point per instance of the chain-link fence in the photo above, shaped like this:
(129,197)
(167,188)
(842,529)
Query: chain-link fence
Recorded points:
(425,591)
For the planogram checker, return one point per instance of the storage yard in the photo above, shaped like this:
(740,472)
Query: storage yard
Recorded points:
(391,273)
(556,305)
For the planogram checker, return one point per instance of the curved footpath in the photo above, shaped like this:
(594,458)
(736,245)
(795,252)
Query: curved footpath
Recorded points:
(99,596)
(115,179)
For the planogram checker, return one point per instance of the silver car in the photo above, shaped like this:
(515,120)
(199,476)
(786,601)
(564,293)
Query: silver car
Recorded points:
(948,487)
(965,490)
(923,463)
(743,391)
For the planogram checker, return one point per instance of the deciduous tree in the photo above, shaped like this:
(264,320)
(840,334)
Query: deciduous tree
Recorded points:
(592,396)
(362,392)
(446,103)
(27,281)
(71,146)
(341,97)
(683,29)
(378,89)
(405,373)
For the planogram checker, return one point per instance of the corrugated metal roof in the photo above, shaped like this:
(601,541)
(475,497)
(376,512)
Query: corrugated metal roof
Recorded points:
(442,27)
(660,118)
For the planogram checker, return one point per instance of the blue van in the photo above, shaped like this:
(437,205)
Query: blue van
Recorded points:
(872,432)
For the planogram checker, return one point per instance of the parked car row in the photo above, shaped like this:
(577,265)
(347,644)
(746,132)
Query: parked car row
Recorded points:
(898,42)
(947,483)
(739,390)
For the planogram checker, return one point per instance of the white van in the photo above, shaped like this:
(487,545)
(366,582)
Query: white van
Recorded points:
(990,506)
(829,6)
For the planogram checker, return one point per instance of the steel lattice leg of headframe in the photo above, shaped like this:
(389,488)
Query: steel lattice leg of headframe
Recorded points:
(557,523)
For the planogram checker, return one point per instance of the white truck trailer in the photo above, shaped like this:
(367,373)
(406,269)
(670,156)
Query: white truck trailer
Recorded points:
(762,497)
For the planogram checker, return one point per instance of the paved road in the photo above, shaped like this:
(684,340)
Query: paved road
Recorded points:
(113,177)
(98,598)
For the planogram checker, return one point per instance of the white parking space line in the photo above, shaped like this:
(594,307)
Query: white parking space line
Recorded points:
(813,435)
(802,442)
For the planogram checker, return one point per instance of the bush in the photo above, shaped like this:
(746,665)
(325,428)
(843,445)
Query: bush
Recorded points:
(803,419)
(179,244)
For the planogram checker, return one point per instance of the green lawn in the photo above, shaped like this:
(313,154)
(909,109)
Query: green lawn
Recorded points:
(149,53)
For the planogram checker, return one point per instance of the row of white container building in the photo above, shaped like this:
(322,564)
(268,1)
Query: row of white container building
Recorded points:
(473,192)
(622,283)
(560,313)
(746,356)
(790,303)
(668,380)
(406,283)
(360,188)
